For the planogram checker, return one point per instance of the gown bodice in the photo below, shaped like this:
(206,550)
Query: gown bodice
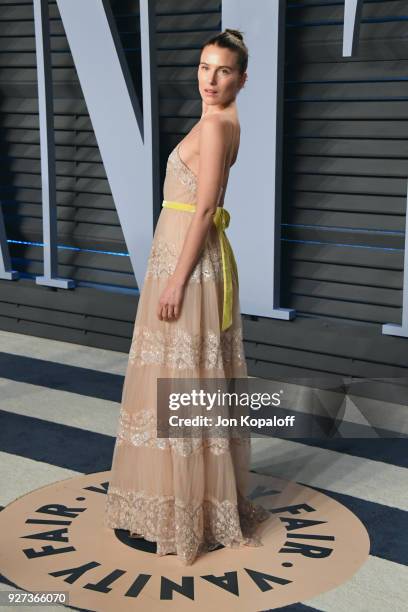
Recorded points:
(180,183)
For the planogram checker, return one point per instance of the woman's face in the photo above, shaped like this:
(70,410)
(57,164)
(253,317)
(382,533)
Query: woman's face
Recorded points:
(218,72)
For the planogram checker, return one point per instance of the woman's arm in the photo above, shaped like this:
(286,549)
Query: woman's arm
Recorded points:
(214,142)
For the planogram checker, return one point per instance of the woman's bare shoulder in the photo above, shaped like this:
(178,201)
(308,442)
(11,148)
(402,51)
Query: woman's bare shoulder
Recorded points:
(217,123)
(218,128)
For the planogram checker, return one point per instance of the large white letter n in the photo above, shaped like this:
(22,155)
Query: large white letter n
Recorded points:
(127,141)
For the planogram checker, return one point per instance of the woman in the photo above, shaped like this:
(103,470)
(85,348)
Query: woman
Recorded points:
(188,494)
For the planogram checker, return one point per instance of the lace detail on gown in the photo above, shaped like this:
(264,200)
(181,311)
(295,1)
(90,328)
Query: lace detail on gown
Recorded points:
(178,170)
(141,430)
(203,526)
(178,349)
(184,173)
(164,257)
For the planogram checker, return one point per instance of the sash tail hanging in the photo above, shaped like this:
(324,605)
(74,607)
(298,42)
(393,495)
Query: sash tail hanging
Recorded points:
(221,220)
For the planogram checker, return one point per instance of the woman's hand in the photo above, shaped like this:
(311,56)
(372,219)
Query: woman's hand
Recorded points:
(171,300)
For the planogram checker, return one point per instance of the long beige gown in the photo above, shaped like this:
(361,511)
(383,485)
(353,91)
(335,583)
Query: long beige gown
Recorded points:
(187,495)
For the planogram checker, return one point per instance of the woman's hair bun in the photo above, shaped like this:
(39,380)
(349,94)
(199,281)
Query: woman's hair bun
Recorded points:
(236,33)
(234,40)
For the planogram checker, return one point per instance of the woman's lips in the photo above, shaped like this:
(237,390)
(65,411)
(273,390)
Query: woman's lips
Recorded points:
(210,93)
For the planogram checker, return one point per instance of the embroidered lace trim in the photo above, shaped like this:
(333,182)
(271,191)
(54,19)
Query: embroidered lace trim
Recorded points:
(140,429)
(183,172)
(184,528)
(176,348)
(163,260)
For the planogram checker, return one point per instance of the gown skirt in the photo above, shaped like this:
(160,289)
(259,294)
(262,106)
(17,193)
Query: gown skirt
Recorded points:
(189,495)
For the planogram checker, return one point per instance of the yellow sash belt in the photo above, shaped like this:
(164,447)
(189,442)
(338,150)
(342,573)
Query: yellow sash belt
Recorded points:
(221,220)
